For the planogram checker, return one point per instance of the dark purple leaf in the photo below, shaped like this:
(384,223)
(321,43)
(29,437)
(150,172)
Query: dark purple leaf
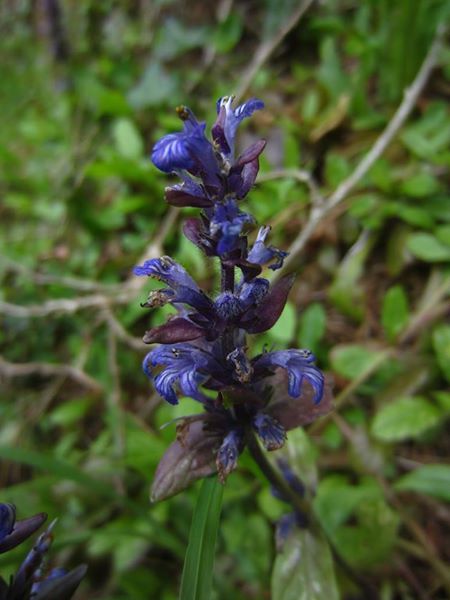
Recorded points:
(271,307)
(194,230)
(250,154)
(61,588)
(189,458)
(181,198)
(175,330)
(21,531)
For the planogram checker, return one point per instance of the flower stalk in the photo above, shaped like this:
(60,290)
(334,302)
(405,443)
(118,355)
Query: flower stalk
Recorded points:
(202,350)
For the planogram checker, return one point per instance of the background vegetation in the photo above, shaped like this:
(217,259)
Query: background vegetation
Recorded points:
(86,88)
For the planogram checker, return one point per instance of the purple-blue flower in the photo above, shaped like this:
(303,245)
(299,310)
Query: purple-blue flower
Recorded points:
(31,580)
(228,453)
(299,366)
(184,368)
(188,150)
(269,430)
(262,254)
(226,226)
(229,119)
(183,289)
(203,351)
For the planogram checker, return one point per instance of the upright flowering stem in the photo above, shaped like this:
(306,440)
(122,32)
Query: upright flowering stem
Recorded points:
(276,479)
(202,351)
(227,278)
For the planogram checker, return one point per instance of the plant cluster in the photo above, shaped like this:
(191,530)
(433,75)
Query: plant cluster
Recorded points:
(32,579)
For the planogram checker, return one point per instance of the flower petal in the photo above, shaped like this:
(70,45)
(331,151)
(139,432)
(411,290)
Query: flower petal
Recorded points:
(292,413)
(298,364)
(228,453)
(269,430)
(172,153)
(262,254)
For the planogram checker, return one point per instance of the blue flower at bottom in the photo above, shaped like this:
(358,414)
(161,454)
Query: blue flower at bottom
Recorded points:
(299,366)
(228,453)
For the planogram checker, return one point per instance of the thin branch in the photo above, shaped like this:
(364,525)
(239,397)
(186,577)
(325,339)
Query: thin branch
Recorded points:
(64,305)
(10,370)
(411,95)
(120,294)
(267,47)
(114,402)
(75,283)
(122,334)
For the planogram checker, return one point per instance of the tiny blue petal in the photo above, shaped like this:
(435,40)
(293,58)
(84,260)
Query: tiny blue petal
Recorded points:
(229,118)
(172,153)
(252,292)
(298,364)
(228,453)
(185,368)
(269,430)
(261,254)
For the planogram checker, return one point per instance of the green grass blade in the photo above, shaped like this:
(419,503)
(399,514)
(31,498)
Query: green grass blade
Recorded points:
(196,581)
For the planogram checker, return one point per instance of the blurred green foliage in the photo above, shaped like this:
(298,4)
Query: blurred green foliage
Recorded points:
(86,88)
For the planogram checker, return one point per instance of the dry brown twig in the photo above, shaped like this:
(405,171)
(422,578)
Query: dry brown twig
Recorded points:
(11,370)
(103,300)
(320,211)
(116,295)
(267,47)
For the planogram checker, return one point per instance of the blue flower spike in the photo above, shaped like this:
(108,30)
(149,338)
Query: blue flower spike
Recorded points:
(201,351)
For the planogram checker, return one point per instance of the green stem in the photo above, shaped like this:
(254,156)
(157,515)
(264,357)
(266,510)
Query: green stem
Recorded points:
(276,479)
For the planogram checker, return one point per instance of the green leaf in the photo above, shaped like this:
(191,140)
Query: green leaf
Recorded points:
(420,185)
(441,343)
(345,291)
(353,360)
(155,86)
(394,312)
(312,326)
(431,134)
(301,456)
(405,418)
(443,399)
(69,412)
(304,569)
(227,33)
(442,233)
(127,139)
(433,480)
(196,582)
(426,247)
(337,169)
(357,519)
